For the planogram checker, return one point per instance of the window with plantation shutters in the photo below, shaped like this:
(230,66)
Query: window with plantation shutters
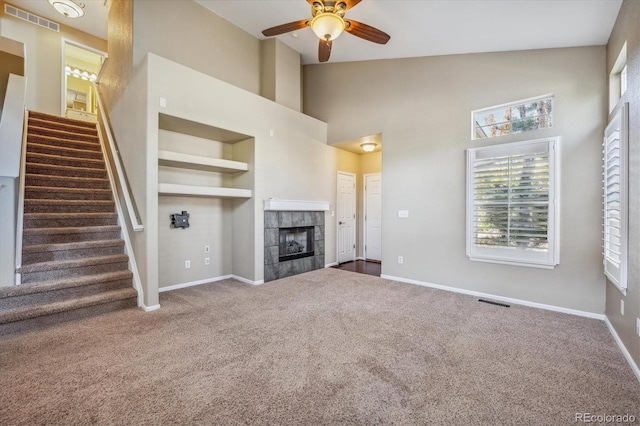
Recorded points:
(615,199)
(512,203)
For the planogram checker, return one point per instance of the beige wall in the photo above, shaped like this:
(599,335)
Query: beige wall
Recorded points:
(422,108)
(43,61)
(210,218)
(280,75)
(288,159)
(627,29)
(189,34)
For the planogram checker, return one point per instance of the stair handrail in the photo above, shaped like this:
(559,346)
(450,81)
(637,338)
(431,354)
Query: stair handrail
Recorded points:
(20,215)
(132,210)
(119,186)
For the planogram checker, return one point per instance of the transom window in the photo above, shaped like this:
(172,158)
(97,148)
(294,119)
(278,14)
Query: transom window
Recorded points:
(515,117)
(512,204)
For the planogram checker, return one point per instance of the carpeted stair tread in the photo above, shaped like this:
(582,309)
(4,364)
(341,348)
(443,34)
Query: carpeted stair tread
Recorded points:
(49,202)
(68,234)
(64,151)
(43,139)
(61,134)
(64,126)
(77,245)
(65,215)
(73,263)
(54,285)
(55,170)
(56,118)
(61,220)
(37,179)
(23,313)
(33,157)
(68,206)
(72,230)
(59,251)
(66,193)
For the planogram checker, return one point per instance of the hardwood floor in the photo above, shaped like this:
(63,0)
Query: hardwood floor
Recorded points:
(369,267)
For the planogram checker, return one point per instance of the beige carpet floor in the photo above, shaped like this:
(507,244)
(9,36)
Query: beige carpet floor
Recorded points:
(326,347)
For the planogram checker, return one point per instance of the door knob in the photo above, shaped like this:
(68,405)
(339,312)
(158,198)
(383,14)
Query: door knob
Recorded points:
(340,223)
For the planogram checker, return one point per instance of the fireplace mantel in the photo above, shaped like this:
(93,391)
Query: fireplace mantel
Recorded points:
(296,205)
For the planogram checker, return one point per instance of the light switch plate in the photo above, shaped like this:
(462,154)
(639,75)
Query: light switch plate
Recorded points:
(403,213)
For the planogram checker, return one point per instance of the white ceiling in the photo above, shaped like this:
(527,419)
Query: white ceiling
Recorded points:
(417,27)
(436,27)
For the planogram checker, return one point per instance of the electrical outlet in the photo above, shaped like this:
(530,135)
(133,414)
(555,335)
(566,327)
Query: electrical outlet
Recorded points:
(187,264)
(400,259)
(621,306)
(638,326)
(207,261)
(207,249)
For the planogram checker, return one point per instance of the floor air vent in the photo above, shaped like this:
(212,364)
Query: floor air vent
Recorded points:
(504,305)
(30,17)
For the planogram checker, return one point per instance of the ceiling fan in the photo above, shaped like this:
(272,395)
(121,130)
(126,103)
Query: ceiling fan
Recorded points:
(328,23)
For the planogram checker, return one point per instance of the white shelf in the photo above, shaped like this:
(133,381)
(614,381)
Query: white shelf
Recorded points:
(202,191)
(197,162)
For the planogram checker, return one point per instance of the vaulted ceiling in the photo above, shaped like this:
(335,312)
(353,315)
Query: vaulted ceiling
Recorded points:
(417,27)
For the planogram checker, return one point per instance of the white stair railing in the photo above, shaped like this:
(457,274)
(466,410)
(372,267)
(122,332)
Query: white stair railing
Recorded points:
(120,188)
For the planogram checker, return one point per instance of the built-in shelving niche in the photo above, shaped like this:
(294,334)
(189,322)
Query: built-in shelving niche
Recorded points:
(207,171)
(204,161)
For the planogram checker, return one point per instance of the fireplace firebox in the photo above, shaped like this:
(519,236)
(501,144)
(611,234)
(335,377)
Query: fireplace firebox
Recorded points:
(296,243)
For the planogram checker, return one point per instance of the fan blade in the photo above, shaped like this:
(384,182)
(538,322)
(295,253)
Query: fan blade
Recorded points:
(324,50)
(366,32)
(285,28)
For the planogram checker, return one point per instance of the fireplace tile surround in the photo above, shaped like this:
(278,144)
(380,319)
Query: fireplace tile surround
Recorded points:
(273,221)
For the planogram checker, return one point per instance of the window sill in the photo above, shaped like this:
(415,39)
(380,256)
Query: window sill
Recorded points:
(513,262)
(616,285)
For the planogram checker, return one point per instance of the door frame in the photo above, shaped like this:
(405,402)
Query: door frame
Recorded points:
(63,78)
(364,214)
(355,219)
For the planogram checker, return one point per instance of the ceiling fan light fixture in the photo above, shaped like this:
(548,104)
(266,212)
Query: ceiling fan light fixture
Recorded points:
(327,26)
(368,146)
(68,8)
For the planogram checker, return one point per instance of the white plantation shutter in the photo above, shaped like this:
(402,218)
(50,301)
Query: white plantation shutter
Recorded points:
(512,207)
(615,199)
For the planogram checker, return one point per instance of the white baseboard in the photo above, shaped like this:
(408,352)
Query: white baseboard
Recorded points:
(360,258)
(209,280)
(245,280)
(150,308)
(500,298)
(329,265)
(192,283)
(623,348)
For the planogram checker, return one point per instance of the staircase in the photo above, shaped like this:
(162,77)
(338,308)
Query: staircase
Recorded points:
(73,261)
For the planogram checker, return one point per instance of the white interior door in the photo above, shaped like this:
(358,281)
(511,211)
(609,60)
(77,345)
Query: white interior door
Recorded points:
(346,212)
(373,216)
